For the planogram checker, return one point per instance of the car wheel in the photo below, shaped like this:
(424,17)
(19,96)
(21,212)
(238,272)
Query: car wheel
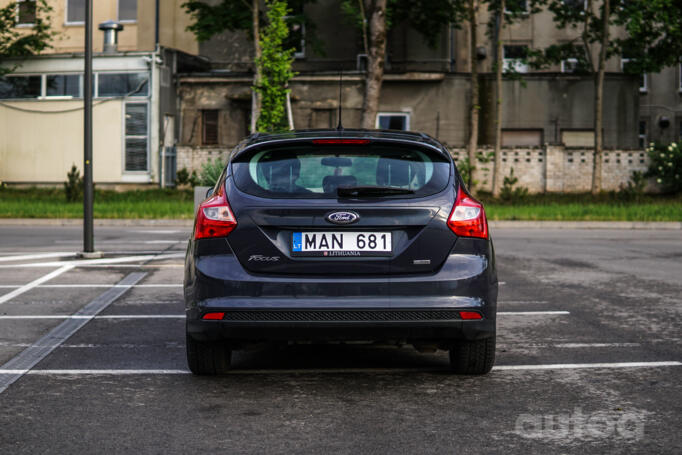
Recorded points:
(208,358)
(473,356)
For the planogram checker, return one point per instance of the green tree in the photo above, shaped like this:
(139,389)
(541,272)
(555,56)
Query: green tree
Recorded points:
(23,42)
(275,67)
(651,38)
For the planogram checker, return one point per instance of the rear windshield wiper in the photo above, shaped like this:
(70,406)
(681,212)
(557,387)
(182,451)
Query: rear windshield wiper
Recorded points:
(359,191)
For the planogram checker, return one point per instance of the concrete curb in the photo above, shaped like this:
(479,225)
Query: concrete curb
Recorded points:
(663,225)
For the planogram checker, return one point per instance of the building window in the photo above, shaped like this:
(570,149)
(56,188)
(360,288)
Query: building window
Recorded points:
(393,121)
(296,38)
(209,127)
(136,137)
(521,138)
(515,58)
(577,138)
(570,65)
(20,87)
(127,10)
(26,12)
(516,6)
(63,85)
(75,11)
(642,134)
(642,77)
(122,84)
(575,4)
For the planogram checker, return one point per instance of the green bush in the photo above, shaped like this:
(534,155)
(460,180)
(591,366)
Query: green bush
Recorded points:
(73,187)
(666,166)
(510,194)
(184,178)
(210,172)
(634,189)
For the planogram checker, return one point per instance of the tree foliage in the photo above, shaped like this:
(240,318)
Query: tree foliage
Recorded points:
(23,42)
(275,64)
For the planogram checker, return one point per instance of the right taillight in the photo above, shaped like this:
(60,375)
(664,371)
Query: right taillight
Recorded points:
(467,218)
(214,217)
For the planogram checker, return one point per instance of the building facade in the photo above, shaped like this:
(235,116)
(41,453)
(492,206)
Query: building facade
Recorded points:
(134,108)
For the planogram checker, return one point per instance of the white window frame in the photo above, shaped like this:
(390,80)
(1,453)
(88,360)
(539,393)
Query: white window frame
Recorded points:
(569,60)
(126,101)
(394,114)
(125,21)
(66,16)
(43,91)
(644,87)
(27,24)
(515,63)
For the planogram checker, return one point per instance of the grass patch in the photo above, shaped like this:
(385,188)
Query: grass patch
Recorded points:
(586,207)
(51,203)
(178,204)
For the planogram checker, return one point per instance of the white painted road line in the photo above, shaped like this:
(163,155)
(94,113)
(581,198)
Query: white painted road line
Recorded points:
(176,316)
(57,286)
(117,372)
(105,261)
(103,316)
(30,357)
(531,313)
(578,366)
(34,283)
(28,257)
(598,345)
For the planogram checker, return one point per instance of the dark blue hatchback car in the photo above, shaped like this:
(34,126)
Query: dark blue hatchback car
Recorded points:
(326,235)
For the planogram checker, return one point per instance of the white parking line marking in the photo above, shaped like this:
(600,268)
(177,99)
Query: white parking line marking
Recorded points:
(531,313)
(578,366)
(104,316)
(30,357)
(34,283)
(58,286)
(117,372)
(107,261)
(597,345)
(27,257)
(176,316)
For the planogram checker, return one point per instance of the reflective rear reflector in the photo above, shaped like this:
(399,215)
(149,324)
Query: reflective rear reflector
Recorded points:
(213,316)
(340,141)
(470,315)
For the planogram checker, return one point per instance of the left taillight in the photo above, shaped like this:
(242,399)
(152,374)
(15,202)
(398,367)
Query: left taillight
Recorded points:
(467,218)
(214,217)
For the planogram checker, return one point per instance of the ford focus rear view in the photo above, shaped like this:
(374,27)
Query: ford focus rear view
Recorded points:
(333,236)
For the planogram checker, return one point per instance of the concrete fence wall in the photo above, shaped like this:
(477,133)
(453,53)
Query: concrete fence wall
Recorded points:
(552,169)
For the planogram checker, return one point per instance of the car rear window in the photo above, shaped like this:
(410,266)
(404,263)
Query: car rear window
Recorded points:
(311,172)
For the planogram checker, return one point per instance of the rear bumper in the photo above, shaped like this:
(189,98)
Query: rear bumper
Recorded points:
(255,331)
(424,307)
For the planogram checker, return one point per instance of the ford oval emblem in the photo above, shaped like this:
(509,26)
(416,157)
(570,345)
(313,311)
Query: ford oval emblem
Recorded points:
(343,217)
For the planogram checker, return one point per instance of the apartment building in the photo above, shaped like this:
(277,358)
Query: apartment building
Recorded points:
(135,111)
(427,88)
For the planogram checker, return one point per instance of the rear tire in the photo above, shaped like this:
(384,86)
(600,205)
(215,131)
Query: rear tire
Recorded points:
(208,358)
(473,356)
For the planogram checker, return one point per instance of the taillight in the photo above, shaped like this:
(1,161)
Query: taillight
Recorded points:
(467,218)
(214,217)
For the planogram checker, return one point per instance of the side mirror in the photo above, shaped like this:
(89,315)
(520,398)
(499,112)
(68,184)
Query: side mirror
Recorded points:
(209,192)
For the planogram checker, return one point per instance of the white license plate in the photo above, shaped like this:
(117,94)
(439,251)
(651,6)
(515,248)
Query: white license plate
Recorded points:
(341,243)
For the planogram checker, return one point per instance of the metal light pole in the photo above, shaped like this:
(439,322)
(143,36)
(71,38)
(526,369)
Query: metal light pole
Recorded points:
(88,238)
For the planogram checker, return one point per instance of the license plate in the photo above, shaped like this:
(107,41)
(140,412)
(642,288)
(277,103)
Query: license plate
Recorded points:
(341,244)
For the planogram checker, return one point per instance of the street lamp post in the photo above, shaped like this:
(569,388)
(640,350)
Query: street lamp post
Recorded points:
(88,237)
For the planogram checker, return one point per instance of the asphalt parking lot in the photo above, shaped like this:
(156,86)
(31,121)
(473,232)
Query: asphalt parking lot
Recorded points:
(92,358)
